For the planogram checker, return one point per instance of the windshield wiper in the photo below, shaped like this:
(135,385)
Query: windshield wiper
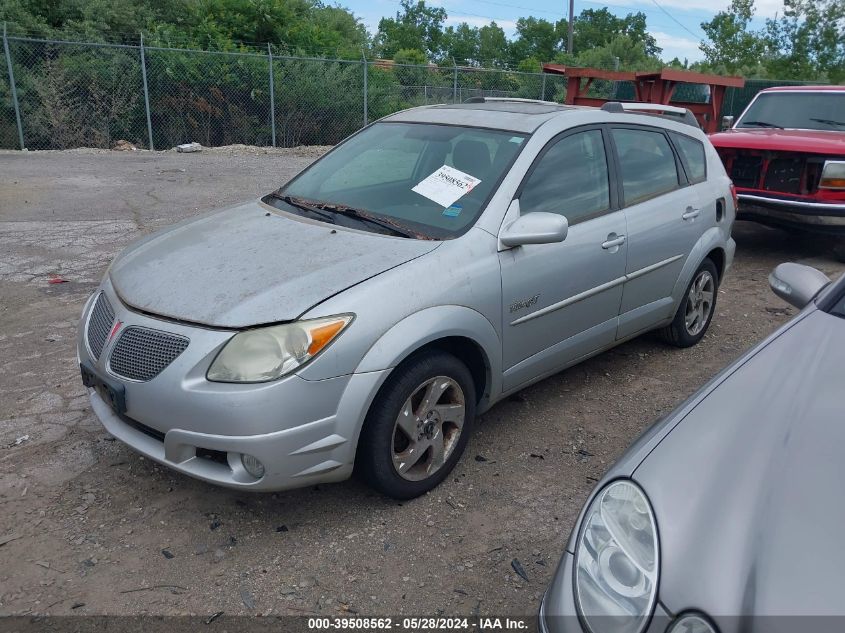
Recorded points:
(326,210)
(368,218)
(829,122)
(305,205)
(761,124)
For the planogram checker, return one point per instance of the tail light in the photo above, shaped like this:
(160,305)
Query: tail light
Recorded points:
(734,196)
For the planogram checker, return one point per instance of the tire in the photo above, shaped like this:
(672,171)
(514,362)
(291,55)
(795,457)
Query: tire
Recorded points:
(413,435)
(690,324)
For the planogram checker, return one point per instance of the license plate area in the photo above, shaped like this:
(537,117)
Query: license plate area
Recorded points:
(112,393)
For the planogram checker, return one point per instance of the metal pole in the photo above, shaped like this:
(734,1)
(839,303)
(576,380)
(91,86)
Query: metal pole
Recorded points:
(570,27)
(455,82)
(272,96)
(366,113)
(12,84)
(543,95)
(146,94)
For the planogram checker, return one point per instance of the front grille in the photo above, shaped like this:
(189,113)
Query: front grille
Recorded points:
(784,175)
(745,171)
(99,325)
(141,353)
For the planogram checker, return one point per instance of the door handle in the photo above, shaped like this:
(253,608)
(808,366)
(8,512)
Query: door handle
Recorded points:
(613,242)
(691,213)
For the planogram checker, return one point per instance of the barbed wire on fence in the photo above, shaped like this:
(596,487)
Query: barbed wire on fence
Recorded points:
(57,94)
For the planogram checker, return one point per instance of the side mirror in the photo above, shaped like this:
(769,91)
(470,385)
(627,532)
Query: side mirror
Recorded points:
(797,284)
(535,228)
(727,122)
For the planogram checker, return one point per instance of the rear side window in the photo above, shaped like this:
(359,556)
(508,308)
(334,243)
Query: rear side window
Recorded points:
(571,179)
(692,153)
(647,163)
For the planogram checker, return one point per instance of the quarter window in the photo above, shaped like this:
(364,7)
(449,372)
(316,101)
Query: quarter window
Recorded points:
(570,179)
(692,152)
(647,163)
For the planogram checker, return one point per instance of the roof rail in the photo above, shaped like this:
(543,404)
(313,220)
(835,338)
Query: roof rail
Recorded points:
(676,113)
(507,99)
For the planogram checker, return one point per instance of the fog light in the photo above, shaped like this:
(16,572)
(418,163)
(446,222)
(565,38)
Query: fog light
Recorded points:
(253,466)
(692,623)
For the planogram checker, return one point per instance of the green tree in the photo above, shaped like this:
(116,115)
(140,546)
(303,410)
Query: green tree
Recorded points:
(595,28)
(730,44)
(492,45)
(411,69)
(462,44)
(417,26)
(537,38)
(808,41)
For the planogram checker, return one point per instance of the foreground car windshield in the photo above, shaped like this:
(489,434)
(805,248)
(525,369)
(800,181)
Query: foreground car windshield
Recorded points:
(432,180)
(799,110)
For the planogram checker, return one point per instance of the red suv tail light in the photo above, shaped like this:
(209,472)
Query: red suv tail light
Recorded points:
(734,196)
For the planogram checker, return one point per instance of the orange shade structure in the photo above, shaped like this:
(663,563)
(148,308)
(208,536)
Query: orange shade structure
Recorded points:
(650,87)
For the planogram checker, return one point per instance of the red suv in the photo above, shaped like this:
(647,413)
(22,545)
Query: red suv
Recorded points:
(786,157)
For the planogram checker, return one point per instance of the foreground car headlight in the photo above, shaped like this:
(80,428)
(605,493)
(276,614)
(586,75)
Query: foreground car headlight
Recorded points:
(833,175)
(617,561)
(271,352)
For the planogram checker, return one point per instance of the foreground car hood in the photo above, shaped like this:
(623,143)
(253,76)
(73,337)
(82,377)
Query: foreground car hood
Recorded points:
(251,265)
(747,488)
(808,141)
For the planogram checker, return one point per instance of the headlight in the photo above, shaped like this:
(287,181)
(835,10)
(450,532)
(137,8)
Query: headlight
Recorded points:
(617,561)
(271,352)
(833,175)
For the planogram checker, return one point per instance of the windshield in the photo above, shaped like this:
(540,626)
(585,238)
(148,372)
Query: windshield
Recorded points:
(801,110)
(432,180)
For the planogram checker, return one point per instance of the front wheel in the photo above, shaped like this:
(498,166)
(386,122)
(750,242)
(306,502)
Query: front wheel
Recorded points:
(696,310)
(418,425)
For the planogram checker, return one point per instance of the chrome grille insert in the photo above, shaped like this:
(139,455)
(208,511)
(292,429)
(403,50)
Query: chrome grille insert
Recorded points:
(99,325)
(141,353)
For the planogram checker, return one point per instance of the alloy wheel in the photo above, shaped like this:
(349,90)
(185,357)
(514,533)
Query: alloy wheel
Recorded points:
(427,429)
(699,302)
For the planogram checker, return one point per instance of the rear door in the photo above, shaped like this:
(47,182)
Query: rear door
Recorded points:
(664,217)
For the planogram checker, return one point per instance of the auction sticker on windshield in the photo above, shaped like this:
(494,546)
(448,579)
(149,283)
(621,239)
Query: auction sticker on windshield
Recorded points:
(446,185)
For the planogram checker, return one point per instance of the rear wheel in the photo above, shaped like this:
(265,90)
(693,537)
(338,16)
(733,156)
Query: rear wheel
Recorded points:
(418,425)
(696,310)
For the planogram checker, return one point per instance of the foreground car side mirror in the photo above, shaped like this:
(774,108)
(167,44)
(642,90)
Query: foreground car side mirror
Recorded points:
(797,284)
(535,228)
(727,122)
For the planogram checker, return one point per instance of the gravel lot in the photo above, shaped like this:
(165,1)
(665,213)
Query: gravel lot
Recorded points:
(89,520)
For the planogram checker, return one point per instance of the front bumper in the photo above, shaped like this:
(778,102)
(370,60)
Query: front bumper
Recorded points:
(303,431)
(819,217)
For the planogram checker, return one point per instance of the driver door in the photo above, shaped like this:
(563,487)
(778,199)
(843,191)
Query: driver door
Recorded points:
(561,301)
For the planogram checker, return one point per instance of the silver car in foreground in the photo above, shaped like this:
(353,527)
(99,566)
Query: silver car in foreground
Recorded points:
(428,266)
(727,514)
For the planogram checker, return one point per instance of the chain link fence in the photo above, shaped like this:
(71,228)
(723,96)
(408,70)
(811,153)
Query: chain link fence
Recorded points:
(75,94)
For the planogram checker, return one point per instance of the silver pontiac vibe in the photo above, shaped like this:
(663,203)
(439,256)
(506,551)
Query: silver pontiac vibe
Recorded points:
(360,316)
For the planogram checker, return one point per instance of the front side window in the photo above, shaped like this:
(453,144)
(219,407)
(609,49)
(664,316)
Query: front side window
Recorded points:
(571,179)
(694,157)
(431,179)
(647,164)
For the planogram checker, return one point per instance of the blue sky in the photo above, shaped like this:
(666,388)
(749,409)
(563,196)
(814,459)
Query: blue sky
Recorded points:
(675,23)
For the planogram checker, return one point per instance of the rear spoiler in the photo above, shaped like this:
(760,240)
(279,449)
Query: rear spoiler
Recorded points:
(674,113)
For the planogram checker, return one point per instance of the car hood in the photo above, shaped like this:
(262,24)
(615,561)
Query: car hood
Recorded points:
(808,141)
(251,265)
(747,488)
